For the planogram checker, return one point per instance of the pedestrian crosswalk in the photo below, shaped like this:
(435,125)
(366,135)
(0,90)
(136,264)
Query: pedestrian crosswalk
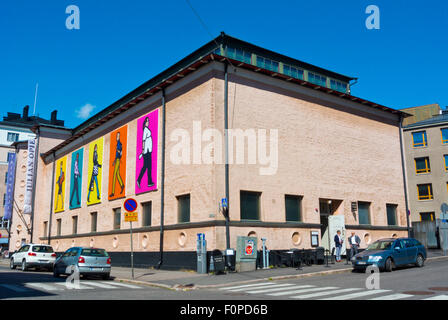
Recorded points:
(60,286)
(303,292)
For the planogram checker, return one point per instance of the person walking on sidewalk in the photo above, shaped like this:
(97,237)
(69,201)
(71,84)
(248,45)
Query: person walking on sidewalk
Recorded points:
(355,242)
(338,244)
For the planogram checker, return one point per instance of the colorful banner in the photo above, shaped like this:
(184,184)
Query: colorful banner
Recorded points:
(30,167)
(146,155)
(59,184)
(94,171)
(117,163)
(76,179)
(9,197)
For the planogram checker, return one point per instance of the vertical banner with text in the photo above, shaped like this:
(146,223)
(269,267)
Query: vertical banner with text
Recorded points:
(30,176)
(9,196)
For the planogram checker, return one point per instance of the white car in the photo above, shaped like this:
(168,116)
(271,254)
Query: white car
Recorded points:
(33,256)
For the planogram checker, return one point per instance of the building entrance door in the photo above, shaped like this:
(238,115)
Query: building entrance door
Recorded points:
(330,223)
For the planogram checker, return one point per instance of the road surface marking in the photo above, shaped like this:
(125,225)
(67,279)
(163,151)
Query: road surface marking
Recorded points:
(300,291)
(272,285)
(124,285)
(45,286)
(98,284)
(247,286)
(15,288)
(272,289)
(441,297)
(393,297)
(72,285)
(326,293)
(356,295)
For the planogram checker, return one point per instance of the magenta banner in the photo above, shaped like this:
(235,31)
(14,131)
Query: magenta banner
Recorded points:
(146,155)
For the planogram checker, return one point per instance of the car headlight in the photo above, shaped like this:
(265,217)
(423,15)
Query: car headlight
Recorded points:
(375,258)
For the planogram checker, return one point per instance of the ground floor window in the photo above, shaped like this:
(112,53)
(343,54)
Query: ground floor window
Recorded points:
(250,205)
(427,216)
(147,210)
(293,206)
(363,212)
(117,218)
(93,221)
(75,224)
(391,210)
(183,208)
(58,226)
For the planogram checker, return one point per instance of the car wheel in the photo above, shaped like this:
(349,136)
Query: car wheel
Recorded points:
(420,261)
(24,267)
(388,265)
(11,264)
(106,276)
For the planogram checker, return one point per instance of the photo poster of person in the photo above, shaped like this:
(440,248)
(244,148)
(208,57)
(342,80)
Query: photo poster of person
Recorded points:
(59,184)
(146,155)
(117,163)
(76,179)
(95,171)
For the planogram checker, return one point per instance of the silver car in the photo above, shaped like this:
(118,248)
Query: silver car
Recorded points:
(88,261)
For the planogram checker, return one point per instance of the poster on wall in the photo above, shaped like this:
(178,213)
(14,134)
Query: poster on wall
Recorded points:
(59,184)
(146,155)
(95,171)
(76,179)
(30,168)
(117,163)
(9,195)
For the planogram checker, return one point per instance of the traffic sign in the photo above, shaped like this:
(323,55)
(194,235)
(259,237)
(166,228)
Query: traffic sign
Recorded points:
(130,216)
(130,205)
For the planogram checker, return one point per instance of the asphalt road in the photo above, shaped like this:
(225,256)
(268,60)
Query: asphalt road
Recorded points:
(410,283)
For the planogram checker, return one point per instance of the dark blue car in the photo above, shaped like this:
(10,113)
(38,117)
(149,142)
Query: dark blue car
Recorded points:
(390,253)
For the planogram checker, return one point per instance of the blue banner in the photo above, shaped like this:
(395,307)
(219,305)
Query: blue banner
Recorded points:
(10,186)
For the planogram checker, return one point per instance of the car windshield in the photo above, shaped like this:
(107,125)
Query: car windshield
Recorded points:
(45,249)
(94,252)
(380,245)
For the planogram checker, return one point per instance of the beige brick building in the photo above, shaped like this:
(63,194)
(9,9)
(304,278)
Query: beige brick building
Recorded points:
(332,154)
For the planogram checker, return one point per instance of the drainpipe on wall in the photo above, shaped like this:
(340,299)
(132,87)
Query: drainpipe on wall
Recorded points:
(226,134)
(162,183)
(36,160)
(51,201)
(404,176)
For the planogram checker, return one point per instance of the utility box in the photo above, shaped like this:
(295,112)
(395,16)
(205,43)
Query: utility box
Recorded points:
(201,251)
(443,235)
(246,254)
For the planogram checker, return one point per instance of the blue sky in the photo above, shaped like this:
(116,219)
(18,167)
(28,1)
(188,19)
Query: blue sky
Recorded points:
(121,44)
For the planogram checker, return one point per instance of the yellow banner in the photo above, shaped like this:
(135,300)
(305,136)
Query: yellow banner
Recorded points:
(59,190)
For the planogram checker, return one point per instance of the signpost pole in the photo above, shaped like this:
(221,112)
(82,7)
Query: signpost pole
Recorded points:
(132,254)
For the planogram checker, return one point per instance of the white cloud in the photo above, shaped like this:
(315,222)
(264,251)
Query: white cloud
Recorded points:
(85,111)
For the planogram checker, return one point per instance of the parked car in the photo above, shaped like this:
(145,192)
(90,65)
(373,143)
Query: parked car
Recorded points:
(390,253)
(89,261)
(39,256)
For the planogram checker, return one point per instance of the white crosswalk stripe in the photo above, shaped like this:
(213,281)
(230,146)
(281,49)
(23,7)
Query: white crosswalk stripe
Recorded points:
(126,285)
(247,286)
(45,286)
(15,288)
(72,286)
(325,293)
(285,293)
(261,287)
(440,297)
(277,288)
(395,296)
(356,295)
(98,284)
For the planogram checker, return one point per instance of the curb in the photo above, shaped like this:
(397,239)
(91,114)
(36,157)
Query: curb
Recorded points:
(145,283)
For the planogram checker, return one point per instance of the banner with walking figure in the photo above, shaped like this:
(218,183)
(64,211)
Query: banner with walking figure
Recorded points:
(76,179)
(94,171)
(117,163)
(59,184)
(146,155)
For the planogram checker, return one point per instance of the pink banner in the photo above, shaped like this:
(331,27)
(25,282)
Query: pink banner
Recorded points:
(146,155)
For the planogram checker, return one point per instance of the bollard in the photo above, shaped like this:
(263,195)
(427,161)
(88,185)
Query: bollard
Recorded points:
(265,266)
(267,258)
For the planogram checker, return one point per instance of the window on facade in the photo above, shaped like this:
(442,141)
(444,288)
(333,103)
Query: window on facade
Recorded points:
(45,228)
(183,208)
(250,205)
(93,221)
(444,132)
(445,157)
(317,79)
(6,177)
(147,212)
(391,210)
(75,224)
(338,85)
(58,227)
(427,216)
(425,191)
(293,206)
(13,137)
(293,72)
(239,54)
(422,165)
(364,212)
(267,64)
(117,218)
(419,139)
